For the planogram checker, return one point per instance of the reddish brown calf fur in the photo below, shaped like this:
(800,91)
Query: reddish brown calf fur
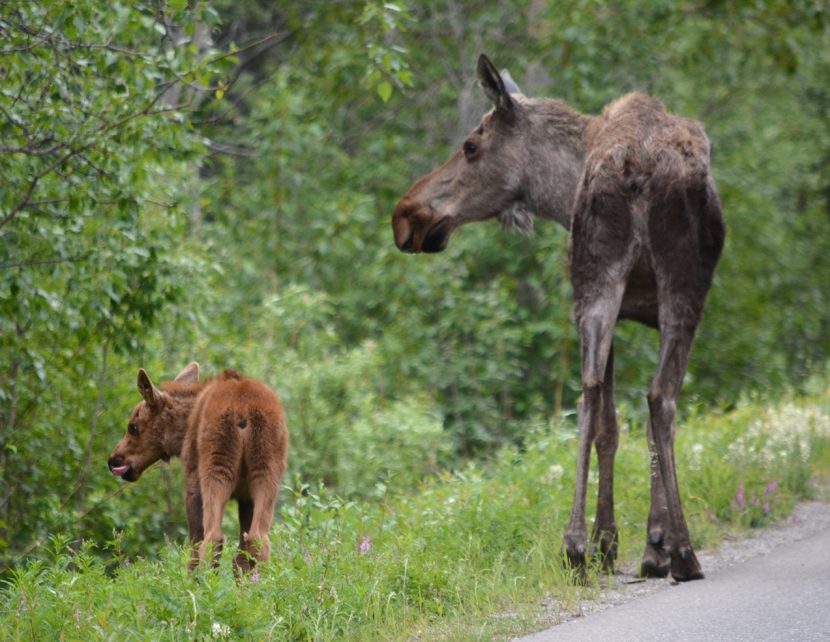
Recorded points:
(230,433)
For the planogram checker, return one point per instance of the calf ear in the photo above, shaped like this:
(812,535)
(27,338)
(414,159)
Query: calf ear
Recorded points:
(189,375)
(493,85)
(152,395)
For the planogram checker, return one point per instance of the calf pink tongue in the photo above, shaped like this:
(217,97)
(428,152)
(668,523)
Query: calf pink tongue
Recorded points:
(120,470)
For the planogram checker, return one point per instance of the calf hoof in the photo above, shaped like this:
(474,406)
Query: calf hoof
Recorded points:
(243,563)
(684,565)
(210,551)
(656,560)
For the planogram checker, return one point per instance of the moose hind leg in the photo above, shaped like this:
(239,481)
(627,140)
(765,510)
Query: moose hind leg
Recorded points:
(244,560)
(215,495)
(675,343)
(602,252)
(257,539)
(656,555)
(604,537)
(596,330)
(193,507)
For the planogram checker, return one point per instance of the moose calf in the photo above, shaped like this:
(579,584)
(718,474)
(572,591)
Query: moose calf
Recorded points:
(230,433)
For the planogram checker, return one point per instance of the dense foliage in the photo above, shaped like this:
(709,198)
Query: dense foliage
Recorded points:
(214,181)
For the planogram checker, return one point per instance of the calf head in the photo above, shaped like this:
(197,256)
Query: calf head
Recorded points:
(148,428)
(481,180)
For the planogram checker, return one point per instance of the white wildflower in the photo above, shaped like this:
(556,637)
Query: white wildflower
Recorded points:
(220,630)
(785,432)
(554,474)
(696,456)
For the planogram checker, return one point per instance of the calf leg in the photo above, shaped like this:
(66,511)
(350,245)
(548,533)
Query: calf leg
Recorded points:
(604,536)
(264,496)
(215,494)
(244,559)
(193,507)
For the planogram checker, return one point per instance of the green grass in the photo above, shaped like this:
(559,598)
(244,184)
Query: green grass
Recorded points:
(470,555)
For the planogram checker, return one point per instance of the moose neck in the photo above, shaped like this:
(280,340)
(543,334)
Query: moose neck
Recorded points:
(556,149)
(180,399)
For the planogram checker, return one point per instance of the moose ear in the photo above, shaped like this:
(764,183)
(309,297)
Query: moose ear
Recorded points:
(493,85)
(189,375)
(509,84)
(152,395)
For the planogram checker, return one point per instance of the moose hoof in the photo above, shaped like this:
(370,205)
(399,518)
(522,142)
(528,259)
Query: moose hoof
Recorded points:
(573,558)
(656,560)
(654,564)
(604,549)
(210,551)
(684,565)
(243,563)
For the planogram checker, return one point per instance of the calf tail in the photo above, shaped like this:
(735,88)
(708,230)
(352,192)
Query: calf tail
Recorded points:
(233,419)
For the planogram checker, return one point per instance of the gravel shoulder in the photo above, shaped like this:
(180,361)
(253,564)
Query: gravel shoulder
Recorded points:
(806,520)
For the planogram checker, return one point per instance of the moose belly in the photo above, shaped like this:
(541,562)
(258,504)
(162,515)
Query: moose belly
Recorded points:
(640,299)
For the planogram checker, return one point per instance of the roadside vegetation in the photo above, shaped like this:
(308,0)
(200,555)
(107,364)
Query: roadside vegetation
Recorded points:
(213,180)
(470,554)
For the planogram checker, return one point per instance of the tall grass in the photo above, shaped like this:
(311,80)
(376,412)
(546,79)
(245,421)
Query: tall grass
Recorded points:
(470,555)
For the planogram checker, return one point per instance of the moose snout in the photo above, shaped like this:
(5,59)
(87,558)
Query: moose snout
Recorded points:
(120,467)
(419,228)
(402,229)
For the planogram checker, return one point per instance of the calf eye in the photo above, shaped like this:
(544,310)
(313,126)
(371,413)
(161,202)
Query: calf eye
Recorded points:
(133,430)
(470,148)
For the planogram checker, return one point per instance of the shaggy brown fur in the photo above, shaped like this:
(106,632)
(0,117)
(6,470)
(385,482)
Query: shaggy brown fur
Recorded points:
(634,188)
(230,433)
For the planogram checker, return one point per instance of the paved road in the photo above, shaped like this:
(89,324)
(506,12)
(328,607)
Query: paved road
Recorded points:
(780,596)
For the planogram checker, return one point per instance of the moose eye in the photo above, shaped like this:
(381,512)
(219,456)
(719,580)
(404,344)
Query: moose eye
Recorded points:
(133,430)
(470,148)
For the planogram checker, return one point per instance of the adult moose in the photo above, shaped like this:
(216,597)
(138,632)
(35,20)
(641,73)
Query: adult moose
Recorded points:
(230,433)
(634,188)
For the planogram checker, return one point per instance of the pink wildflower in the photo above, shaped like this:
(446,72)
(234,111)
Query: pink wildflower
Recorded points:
(365,545)
(255,576)
(771,488)
(766,507)
(739,497)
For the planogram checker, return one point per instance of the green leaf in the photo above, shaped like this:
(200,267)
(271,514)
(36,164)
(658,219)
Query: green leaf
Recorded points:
(385,90)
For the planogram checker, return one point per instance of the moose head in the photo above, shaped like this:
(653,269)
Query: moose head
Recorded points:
(482,180)
(152,431)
